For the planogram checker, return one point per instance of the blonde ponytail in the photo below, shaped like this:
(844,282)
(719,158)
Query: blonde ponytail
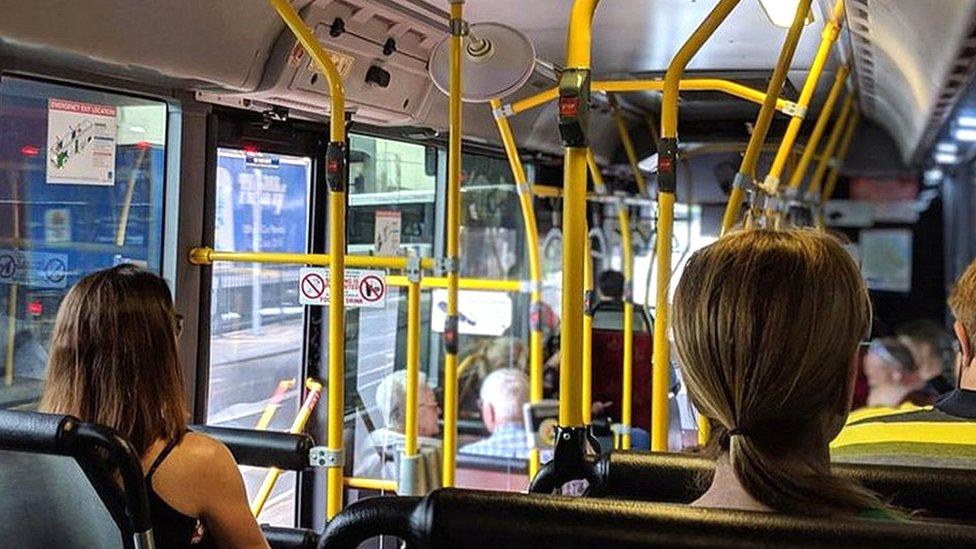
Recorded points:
(766,323)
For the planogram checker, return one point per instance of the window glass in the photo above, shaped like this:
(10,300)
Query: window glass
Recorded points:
(493,325)
(83,175)
(392,198)
(390,181)
(256,322)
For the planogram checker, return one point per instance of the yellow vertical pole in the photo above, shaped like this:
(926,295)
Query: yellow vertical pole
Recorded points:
(8,368)
(750,159)
(453,238)
(535,265)
(575,83)
(8,365)
(628,144)
(337,171)
(627,261)
(587,404)
(796,179)
(413,368)
(667,186)
(830,33)
(846,140)
(130,190)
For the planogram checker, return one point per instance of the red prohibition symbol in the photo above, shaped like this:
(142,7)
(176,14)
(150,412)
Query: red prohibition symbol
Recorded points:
(313,286)
(371,288)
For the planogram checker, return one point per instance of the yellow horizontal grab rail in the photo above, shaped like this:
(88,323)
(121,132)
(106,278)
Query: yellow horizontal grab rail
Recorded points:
(622,86)
(694,84)
(486,284)
(359,483)
(207,256)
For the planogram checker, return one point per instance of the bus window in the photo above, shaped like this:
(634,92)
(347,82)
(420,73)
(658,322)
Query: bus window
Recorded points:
(256,322)
(389,181)
(83,175)
(391,211)
(493,325)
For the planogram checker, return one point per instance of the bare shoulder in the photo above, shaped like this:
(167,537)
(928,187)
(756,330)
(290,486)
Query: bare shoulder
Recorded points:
(205,458)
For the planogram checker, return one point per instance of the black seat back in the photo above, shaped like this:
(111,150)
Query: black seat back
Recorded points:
(451,518)
(46,502)
(683,478)
(102,455)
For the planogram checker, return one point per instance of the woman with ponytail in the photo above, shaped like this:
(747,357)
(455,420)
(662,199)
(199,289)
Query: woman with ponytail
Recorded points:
(767,326)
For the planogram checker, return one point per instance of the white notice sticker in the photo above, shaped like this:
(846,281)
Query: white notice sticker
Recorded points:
(362,288)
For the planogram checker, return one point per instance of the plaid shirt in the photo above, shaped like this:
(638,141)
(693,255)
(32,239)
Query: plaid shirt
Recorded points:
(508,441)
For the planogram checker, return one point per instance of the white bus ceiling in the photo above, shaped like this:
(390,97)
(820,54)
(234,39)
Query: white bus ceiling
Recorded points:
(908,55)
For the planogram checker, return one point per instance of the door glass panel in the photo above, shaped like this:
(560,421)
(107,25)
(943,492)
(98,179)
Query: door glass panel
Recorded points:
(256,322)
(83,175)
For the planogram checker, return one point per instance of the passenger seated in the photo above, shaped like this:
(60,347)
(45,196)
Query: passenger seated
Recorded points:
(382,460)
(766,326)
(928,342)
(893,376)
(943,435)
(503,394)
(113,361)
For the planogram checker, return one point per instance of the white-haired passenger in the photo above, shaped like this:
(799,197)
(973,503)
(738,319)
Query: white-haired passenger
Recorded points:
(503,393)
(380,458)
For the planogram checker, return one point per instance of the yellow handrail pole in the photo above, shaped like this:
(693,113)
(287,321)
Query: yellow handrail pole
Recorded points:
(484,284)
(830,33)
(130,190)
(818,129)
(531,102)
(8,364)
(693,84)
(621,86)
(336,175)
(535,266)
(628,144)
(297,426)
(743,179)
(273,404)
(667,185)
(376,484)
(413,368)
(410,464)
(8,367)
(453,237)
(573,105)
(588,304)
(207,256)
(627,261)
(838,159)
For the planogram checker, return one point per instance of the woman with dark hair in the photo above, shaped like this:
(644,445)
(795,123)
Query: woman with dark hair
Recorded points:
(767,325)
(114,362)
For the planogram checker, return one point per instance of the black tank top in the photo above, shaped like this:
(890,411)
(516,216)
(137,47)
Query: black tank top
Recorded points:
(171,528)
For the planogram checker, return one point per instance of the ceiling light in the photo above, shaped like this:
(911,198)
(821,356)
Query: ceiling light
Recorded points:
(945,158)
(967,121)
(782,12)
(947,147)
(966,134)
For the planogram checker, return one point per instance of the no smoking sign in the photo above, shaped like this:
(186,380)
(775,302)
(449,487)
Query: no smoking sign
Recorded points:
(362,288)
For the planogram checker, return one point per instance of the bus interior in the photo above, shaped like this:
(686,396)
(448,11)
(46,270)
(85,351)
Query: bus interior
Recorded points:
(477,169)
